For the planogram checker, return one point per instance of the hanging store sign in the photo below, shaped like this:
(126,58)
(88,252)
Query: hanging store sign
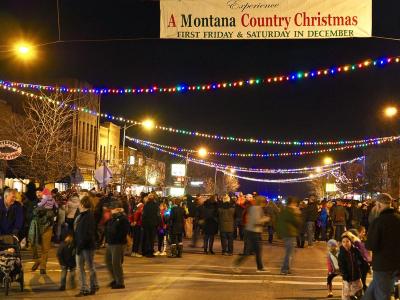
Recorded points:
(178,170)
(265,19)
(9,150)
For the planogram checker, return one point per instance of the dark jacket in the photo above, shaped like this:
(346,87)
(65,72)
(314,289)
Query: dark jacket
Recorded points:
(151,214)
(84,232)
(239,209)
(66,255)
(117,228)
(289,222)
(384,242)
(176,220)
(311,212)
(226,216)
(339,215)
(349,262)
(11,219)
(209,214)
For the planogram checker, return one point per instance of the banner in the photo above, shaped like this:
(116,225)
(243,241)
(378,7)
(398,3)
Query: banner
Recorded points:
(265,19)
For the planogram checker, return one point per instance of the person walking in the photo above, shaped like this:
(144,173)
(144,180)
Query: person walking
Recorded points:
(226,217)
(116,231)
(41,230)
(151,218)
(385,247)
(349,258)
(289,222)
(254,226)
(85,242)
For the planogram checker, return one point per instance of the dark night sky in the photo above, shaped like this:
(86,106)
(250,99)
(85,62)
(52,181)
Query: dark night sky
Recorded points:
(343,107)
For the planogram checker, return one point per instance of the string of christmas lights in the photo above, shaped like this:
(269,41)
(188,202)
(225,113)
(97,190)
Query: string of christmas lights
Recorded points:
(256,81)
(309,178)
(228,169)
(281,154)
(317,169)
(111,117)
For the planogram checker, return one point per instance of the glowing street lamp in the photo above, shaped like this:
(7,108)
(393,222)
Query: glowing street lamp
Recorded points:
(202,152)
(24,51)
(148,124)
(328,160)
(390,111)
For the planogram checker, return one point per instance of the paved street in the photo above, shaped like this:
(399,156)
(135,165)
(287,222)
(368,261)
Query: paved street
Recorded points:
(196,276)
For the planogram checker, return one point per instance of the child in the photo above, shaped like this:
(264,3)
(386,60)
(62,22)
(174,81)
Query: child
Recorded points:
(66,258)
(349,258)
(333,264)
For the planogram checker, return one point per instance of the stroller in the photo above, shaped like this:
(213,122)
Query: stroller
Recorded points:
(10,262)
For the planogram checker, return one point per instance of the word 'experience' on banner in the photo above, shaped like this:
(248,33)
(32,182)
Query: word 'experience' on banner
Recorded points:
(265,19)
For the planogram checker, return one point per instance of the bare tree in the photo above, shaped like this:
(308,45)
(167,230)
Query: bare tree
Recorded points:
(383,169)
(231,184)
(209,185)
(44,132)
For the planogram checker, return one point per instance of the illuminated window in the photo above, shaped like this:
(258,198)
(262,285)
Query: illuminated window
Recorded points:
(131,160)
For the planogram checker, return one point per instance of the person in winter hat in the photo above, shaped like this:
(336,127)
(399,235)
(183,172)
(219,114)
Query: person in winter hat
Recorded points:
(116,231)
(47,200)
(385,246)
(226,218)
(332,263)
(349,258)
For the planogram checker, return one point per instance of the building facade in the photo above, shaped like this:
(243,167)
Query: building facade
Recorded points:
(141,173)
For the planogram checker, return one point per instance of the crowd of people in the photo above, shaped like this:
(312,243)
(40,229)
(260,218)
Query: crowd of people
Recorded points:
(80,222)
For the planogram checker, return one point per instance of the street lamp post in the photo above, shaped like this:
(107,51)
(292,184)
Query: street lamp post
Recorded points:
(201,152)
(123,156)
(148,124)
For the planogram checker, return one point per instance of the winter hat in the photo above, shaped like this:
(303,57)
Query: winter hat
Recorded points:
(349,235)
(384,198)
(140,205)
(226,199)
(332,243)
(46,192)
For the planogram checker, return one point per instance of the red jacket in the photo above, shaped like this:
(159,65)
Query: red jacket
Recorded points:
(137,217)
